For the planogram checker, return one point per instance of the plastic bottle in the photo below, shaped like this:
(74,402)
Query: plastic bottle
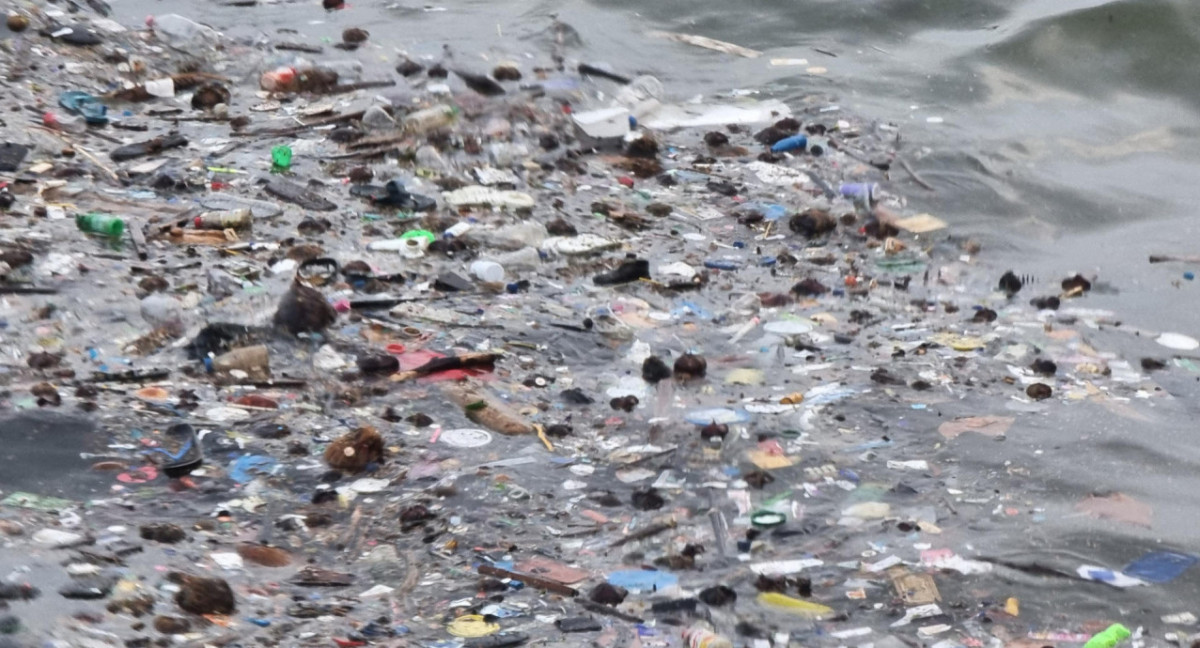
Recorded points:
(65,123)
(220,220)
(527,258)
(698,636)
(488,271)
(247,359)
(817,146)
(504,154)
(180,32)
(428,157)
(642,96)
(864,192)
(1110,637)
(457,229)
(516,235)
(291,78)
(348,70)
(164,312)
(793,143)
(376,118)
(100,224)
(429,119)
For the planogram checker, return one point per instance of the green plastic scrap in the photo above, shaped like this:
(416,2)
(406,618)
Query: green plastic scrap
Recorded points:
(281,157)
(36,502)
(1184,363)
(1111,636)
(900,264)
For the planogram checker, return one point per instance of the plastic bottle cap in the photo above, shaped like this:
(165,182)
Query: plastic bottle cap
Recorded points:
(767,518)
(419,233)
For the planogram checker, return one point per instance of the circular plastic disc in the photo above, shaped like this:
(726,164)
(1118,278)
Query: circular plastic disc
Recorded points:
(1178,341)
(466,438)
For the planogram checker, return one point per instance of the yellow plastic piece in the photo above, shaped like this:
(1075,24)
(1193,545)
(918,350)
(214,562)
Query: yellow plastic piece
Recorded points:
(472,625)
(794,605)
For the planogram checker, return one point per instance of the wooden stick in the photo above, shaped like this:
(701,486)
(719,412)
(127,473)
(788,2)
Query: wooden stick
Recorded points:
(464,361)
(86,154)
(598,608)
(139,240)
(487,411)
(557,587)
(652,530)
(916,178)
(1163,258)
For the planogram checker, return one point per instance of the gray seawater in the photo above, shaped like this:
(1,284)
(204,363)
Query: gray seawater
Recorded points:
(1066,140)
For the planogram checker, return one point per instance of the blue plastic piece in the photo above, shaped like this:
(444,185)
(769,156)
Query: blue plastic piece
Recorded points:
(243,469)
(721,264)
(1160,566)
(790,144)
(642,580)
(82,103)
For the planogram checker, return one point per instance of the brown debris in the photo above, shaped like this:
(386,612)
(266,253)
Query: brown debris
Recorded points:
(352,452)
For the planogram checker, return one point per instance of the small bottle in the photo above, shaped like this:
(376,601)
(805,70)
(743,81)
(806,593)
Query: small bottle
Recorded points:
(252,359)
(164,312)
(429,119)
(488,271)
(527,258)
(457,229)
(864,192)
(699,636)
(221,220)
(65,123)
(105,224)
(281,79)
(793,143)
(180,32)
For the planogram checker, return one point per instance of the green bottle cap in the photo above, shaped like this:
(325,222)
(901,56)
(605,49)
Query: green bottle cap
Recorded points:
(419,233)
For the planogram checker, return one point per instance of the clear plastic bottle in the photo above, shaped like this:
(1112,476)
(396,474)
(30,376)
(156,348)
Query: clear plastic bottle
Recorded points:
(433,118)
(164,312)
(220,220)
(65,123)
(527,258)
(253,359)
(348,70)
(428,157)
(515,236)
(181,33)
(642,96)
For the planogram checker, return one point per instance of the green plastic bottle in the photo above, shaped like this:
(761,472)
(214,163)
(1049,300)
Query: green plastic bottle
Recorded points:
(1112,635)
(105,224)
